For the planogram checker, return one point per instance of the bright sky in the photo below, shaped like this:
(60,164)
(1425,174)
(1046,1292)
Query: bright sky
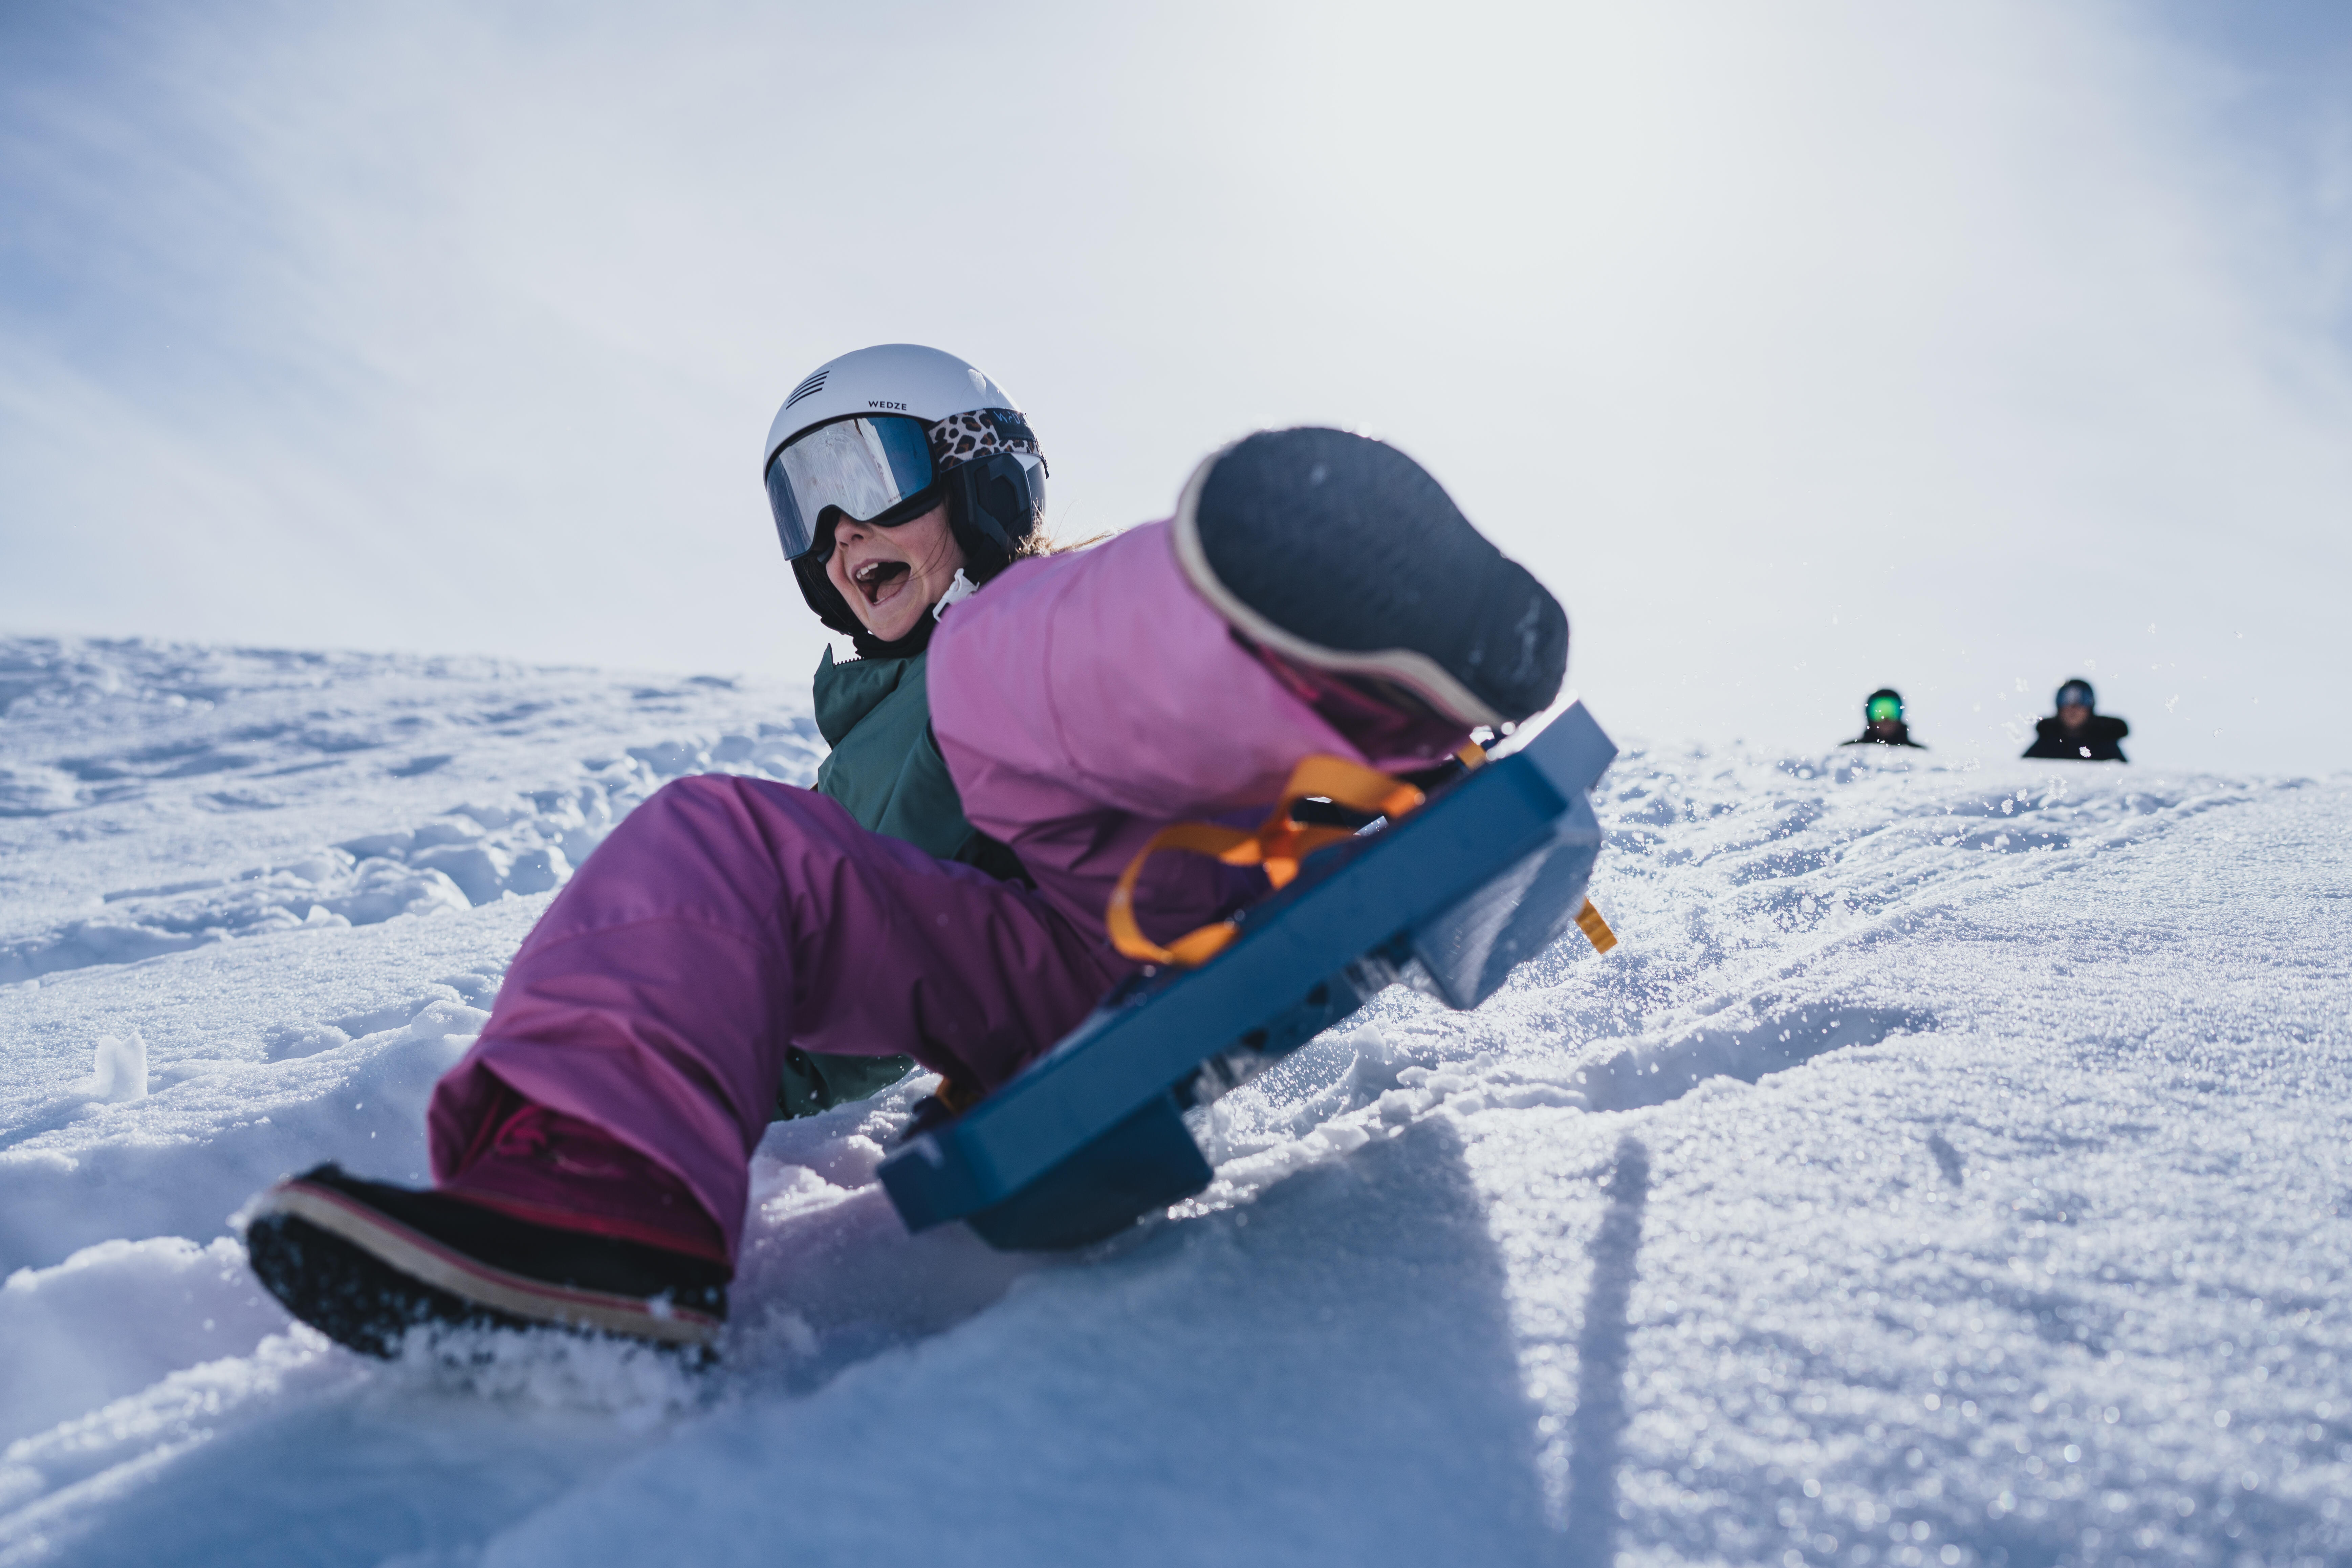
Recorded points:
(1801,347)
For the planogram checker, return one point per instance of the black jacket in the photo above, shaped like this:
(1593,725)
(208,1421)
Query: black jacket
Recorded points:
(2094,741)
(1901,737)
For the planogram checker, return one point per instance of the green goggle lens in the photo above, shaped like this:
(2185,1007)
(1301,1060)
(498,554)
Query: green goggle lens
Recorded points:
(1882,709)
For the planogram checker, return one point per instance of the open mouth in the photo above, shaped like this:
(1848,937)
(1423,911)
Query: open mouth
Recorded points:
(878,580)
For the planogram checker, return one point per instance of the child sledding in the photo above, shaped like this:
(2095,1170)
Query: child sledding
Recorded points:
(1020,726)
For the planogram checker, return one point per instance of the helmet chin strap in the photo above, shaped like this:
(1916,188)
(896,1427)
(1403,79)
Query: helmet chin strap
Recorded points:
(835,611)
(962,587)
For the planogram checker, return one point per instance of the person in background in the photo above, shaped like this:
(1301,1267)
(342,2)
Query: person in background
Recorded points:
(1883,723)
(2079,731)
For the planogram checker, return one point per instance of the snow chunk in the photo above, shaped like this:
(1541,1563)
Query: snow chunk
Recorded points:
(120,1071)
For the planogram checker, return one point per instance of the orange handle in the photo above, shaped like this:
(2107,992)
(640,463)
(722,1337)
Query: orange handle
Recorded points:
(1596,930)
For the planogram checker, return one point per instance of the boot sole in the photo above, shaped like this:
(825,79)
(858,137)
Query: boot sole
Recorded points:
(365,1280)
(1377,572)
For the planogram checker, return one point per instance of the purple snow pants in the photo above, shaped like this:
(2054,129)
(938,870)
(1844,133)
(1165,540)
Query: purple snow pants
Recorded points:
(1082,702)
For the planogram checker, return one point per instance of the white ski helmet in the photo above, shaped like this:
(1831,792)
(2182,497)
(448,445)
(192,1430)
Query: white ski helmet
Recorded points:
(884,435)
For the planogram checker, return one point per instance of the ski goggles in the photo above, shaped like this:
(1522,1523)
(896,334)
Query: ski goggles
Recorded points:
(865,468)
(1882,709)
(2075,694)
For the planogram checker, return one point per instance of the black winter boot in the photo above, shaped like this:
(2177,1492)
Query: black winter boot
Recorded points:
(364,1262)
(1343,554)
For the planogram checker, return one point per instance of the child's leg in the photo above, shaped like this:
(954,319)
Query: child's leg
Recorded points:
(729,919)
(1085,700)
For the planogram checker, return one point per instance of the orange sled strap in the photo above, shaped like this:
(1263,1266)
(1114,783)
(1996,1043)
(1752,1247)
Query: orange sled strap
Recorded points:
(1279,844)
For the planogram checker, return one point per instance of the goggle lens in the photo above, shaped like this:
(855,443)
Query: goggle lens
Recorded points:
(863,468)
(1882,709)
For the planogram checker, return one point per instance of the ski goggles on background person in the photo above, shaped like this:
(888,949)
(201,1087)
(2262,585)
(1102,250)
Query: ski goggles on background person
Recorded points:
(1882,709)
(868,470)
(2074,695)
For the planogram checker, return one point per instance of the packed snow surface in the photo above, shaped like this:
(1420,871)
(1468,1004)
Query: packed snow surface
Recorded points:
(1949,1167)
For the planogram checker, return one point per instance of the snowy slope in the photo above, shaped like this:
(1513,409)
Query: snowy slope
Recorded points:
(1949,1167)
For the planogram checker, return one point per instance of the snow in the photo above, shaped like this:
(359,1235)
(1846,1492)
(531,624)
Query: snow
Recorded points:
(1949,1167)
(121,1069)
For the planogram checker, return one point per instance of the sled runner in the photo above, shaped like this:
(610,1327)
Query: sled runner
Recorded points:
(1447,899)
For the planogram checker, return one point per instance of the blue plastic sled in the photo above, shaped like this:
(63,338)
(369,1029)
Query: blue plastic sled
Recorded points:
(1092,1135)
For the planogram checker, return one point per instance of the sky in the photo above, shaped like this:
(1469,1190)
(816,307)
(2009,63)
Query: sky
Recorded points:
(1800,349)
